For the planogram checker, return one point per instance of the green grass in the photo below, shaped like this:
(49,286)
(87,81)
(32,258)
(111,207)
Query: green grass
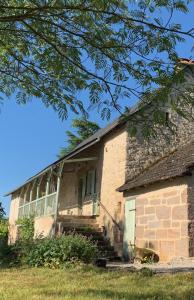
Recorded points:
(92,284)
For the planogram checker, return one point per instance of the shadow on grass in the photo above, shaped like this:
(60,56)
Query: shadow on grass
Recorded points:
(108,294)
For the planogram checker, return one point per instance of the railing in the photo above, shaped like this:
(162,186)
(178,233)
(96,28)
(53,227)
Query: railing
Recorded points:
(43,206)
(111,217)
(95,198)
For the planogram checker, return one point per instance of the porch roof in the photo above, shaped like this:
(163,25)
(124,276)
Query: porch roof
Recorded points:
(48,168)
(176,164)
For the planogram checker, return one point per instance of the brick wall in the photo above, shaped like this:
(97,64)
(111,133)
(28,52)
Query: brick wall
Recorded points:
(162,219)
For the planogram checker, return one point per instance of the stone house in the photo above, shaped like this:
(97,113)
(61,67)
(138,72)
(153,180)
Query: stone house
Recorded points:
(137,193)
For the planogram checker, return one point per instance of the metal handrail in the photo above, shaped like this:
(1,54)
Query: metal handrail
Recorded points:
(113,220)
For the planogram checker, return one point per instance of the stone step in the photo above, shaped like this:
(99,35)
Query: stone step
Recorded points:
(83,230)
(106,248)
(76,221)
(80,227)
(87,226)
(94,236)
(74,217)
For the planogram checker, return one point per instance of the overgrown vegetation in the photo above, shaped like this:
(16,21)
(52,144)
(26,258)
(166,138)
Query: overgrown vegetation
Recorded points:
(2,211)
(60,251)
(115,49)
(26,229)
(51,252)
(3,228)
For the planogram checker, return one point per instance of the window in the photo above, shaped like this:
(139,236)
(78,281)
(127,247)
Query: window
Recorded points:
(91,182)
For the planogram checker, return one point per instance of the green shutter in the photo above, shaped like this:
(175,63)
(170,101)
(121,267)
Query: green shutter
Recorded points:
(129,231)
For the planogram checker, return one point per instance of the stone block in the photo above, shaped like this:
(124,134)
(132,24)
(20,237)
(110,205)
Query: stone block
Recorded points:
(139,232)
(155,201)
(166,223)
(172,193)
(154,224)
(142,200)
(163,212)
(184,196)
(176,224)
(139,210)
(149,234)
(182,247)
(166,250)
(149,210)
(164,201)
(161,234)
(174,233)
(184,229)
(179,212)
(143,220)
(173,200)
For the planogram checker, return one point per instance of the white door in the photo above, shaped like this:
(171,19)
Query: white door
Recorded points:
(129,231)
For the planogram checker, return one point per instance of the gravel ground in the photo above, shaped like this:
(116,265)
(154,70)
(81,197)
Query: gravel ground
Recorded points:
(177,265)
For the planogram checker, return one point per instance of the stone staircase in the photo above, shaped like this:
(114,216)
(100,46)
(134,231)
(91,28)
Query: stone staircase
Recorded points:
(87,226)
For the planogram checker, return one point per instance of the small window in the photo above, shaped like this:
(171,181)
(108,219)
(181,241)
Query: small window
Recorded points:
(91,182)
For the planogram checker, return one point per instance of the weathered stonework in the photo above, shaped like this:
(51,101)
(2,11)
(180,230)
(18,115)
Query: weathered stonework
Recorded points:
(142,153)
(191,214)
(162,219)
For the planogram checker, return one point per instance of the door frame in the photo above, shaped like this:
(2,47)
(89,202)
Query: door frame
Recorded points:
(81,193)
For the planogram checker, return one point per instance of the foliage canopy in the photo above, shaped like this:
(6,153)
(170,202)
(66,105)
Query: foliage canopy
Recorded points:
(112,49)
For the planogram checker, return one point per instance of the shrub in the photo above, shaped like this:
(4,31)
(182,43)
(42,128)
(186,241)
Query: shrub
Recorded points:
(8,255)
(26,229)
(3,229)
(59,251)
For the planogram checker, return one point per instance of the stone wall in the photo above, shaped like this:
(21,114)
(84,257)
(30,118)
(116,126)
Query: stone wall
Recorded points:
(13,216)
(191,214)
(162,219)
(113,161)
(44,226)
(141,153)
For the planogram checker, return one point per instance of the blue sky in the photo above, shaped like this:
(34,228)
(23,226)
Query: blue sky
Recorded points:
(31,135)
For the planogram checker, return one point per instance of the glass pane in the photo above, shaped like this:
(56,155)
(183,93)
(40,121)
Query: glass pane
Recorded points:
(32,208)
(40,204)
(26,210)
(50,205)
(20,212)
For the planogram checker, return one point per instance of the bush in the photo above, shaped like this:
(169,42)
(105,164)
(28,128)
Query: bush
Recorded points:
(59,251)
(3,229)
(26,229)
(8,255)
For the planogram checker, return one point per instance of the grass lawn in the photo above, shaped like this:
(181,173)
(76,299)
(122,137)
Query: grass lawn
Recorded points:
(92,284)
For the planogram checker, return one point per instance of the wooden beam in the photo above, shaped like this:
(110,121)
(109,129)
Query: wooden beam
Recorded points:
(57,194)
(80,159)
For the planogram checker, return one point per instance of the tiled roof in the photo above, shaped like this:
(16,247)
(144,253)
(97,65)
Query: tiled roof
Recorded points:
(174,165)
